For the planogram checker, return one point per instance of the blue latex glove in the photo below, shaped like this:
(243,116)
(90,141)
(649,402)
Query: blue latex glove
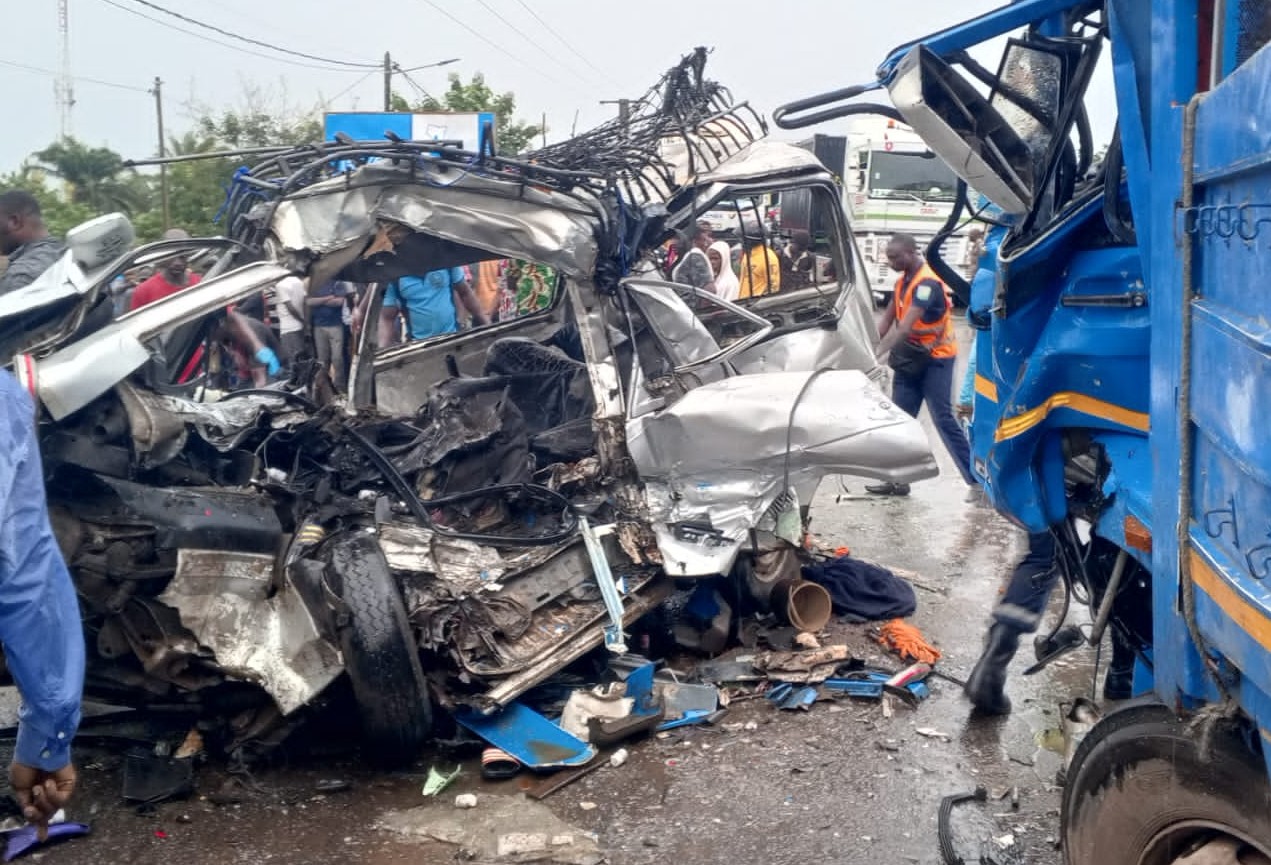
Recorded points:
(266,357)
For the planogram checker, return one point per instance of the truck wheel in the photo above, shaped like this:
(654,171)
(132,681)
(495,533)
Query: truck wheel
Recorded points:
(380,653)
(1140,791)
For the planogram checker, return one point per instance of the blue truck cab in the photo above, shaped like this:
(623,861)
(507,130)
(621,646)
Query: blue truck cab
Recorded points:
(1123,375)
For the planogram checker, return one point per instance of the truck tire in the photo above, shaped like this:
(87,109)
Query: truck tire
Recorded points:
(380,653)
(1141,791)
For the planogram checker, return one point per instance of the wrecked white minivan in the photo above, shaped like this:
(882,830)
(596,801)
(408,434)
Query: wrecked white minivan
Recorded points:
(487,506)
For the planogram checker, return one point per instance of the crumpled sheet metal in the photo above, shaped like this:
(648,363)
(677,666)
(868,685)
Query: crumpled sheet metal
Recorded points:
(763,160)
(719,454)
(500,216)
(223,598)
(463,565)
(157,434)
(226,423)
(74,376)
(62,280)
(159,423)
(849,346)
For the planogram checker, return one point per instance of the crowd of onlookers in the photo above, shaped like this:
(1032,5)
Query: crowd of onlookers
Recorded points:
(299,322)
(750,268)
(320,323)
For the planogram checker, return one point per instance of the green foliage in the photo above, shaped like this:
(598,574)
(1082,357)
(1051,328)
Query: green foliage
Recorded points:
(512,137)
(94,180)
(60,213)
(196,189)
(95,176)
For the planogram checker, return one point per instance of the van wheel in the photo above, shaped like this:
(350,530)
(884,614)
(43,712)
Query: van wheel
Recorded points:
(380,653)
(1141,792)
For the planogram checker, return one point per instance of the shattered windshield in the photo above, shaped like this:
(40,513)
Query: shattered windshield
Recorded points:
(910,175)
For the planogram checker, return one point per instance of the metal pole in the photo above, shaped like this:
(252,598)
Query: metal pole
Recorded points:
(388,82)
(624,114)
(163,151)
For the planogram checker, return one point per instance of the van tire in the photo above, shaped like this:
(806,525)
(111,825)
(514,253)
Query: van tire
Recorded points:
(380,653)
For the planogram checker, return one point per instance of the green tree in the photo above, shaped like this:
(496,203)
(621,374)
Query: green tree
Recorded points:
(262,118)
(95,176)
(512,136)
(197,188)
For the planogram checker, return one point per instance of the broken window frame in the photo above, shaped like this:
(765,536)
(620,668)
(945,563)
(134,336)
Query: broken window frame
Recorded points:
(843,252)
(683,375)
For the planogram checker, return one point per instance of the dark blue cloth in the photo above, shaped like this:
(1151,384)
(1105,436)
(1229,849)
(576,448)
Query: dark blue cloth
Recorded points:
(1031,583)
(39,614)
(328,316)
(935,387)
(862,589)
(929,296)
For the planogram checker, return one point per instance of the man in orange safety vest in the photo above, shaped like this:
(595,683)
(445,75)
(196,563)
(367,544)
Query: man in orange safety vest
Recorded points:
(917,334)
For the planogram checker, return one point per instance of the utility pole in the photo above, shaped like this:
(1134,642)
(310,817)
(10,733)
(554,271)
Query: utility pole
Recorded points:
(63,86)
(543,128)
(163,151)
(624,113)
(388,82)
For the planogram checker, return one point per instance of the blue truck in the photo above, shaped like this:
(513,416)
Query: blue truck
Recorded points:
(1123,368)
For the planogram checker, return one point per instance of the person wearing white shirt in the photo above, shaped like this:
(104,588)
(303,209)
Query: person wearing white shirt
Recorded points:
(290,294)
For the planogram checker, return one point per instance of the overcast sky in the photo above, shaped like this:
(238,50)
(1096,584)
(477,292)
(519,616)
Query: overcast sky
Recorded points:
(766,52)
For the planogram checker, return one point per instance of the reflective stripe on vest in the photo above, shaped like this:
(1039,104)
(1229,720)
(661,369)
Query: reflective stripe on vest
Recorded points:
(938,335)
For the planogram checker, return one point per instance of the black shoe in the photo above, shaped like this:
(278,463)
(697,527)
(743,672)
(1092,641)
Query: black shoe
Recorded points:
(986,686)
(1119,683)
(888,489)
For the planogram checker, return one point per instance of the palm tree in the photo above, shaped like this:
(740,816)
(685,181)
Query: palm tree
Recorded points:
(95,176)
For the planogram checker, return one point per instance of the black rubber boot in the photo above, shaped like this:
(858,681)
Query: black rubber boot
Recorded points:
(888,489)
(1119,683)
(986,686)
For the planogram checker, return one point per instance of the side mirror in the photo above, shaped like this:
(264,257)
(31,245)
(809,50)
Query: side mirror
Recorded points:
(98,242)
(964,129)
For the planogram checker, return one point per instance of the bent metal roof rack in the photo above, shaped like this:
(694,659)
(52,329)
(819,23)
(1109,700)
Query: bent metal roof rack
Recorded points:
(684,126)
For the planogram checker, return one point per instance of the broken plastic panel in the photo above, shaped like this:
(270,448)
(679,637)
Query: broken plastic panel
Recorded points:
(529,737)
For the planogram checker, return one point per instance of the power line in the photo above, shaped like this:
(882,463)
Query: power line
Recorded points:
(351,87)
(561,39)
(228,45)
(241,38)
(499,15)
(411,81)
(496,46)
(54,73)
(336,65)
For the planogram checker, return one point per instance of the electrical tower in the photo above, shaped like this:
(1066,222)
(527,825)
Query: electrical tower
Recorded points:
(63,89)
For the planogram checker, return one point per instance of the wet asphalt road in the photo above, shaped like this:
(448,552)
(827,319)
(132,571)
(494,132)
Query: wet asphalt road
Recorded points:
(840,783)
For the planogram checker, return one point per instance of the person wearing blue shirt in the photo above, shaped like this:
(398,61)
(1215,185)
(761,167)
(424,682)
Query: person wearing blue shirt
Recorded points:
(40,624)
(428,304)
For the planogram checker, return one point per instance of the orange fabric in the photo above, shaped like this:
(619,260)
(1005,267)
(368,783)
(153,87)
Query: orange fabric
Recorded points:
(938,335)
(907,641)
(487,284)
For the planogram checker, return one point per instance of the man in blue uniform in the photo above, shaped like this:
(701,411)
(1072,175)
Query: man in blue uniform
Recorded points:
(39,619)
